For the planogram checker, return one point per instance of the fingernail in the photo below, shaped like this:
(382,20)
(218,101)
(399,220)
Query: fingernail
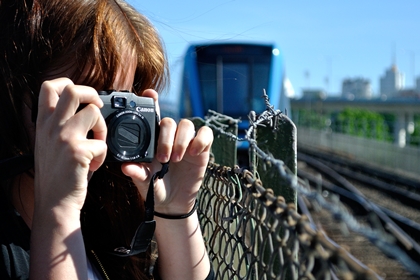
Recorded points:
(162,158)
(175,157)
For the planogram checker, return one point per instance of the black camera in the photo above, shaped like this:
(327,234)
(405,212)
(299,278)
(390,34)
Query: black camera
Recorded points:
(133,126)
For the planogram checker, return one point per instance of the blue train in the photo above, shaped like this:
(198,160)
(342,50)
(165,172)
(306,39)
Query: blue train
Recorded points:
(230,78)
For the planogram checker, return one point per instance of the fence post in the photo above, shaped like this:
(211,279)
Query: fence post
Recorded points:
(224,147)
(278,139)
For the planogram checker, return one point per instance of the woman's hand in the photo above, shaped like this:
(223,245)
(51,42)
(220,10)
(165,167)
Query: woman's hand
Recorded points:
(63,154)
(175,194)
(63,159)
(188,153)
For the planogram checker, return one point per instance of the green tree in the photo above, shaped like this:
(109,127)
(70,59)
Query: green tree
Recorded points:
(363,123)
(311,119)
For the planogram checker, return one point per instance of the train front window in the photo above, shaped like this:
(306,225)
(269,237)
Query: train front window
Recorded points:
(233,84)
(234,89)
(208,85)
(261,77)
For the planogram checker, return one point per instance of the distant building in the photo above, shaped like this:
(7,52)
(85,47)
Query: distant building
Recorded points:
(392,82)
(356,88)
(313,94)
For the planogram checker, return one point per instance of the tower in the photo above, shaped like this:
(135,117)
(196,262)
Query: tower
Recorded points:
(392,82)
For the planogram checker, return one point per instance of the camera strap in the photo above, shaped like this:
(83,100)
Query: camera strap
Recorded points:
(144,233)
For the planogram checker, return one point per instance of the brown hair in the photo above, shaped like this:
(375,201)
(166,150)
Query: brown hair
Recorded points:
(88,41)
(84,39)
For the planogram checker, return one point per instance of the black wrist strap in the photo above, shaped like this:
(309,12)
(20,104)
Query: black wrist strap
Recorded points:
(144,233)
(177,217)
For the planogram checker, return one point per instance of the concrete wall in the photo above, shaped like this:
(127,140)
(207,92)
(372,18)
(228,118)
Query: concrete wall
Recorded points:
(381,154)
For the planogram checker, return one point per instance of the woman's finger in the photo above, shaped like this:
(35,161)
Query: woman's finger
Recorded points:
(202,141)
(89,118)
(72,97)
(184,134)
(95,152)
(49,96)
(140,174)
(152,94)
(63,98)
(166,139)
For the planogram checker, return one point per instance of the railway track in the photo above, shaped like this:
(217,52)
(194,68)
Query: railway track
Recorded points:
(377,199)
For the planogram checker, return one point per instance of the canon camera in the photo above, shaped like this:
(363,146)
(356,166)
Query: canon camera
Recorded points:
(133,126)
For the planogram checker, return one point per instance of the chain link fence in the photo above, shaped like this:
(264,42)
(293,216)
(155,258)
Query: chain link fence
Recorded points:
(255,232)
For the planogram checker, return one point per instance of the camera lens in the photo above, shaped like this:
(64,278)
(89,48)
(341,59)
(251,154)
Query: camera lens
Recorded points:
(128,136)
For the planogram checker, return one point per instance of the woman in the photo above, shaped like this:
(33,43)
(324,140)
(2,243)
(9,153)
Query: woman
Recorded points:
(73,206)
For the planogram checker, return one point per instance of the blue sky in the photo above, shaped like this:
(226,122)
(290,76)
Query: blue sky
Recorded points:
(322,42)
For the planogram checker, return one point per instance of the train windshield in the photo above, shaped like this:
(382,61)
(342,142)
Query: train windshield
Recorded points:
(233,77)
